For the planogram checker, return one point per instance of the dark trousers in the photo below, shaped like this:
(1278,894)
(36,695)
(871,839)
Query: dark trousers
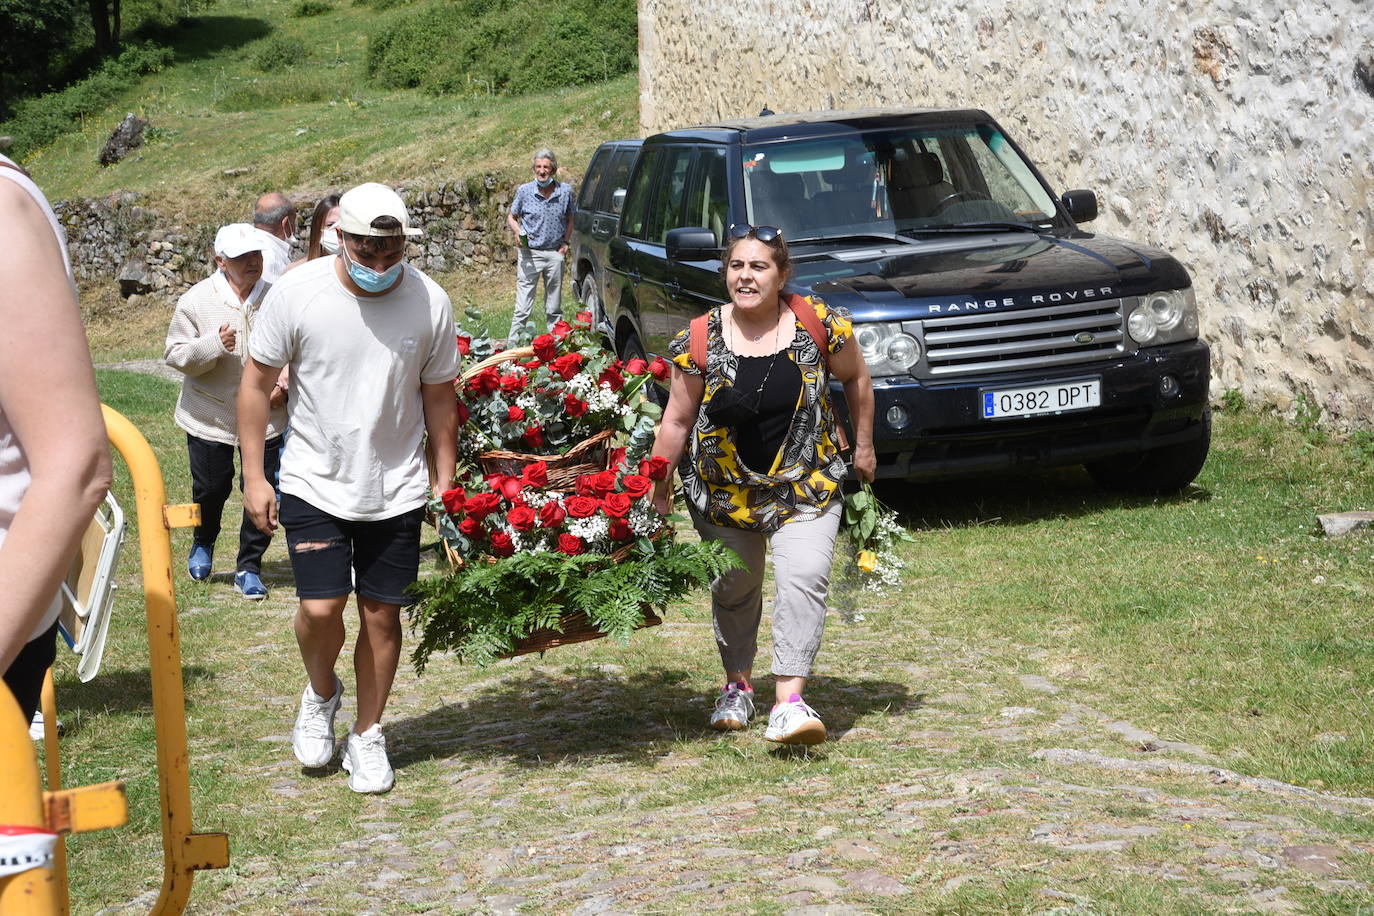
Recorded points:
(25,675)
(212,480)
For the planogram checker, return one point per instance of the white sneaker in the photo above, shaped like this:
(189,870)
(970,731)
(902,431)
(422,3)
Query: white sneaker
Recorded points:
(36,727)
(734,708)
(366,763)
(313,737)
(794,722)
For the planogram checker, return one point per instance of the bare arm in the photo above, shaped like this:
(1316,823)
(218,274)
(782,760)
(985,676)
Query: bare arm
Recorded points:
(685,392)
(513,221)
(48,394)
(441,423)
(255,392)
(849,367)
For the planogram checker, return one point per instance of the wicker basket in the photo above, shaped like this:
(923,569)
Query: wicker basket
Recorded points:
(576,628)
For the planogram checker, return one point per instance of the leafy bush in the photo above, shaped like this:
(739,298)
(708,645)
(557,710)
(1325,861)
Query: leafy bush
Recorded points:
(308,8)
(279,53)
(41,120)
(491,46)
(380,5)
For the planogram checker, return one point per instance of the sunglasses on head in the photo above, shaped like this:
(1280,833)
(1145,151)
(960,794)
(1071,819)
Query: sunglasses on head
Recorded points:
(762,233)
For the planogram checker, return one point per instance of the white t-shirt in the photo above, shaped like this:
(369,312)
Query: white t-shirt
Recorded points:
(276,255)
(14,464)
(357,363)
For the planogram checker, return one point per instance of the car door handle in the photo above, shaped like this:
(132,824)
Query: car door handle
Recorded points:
(673,287)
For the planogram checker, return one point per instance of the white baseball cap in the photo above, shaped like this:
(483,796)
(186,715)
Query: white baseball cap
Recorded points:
(237,239)
(361,205)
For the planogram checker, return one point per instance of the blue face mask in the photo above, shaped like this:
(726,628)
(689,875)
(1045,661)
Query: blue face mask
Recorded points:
(368,279)
(543,182)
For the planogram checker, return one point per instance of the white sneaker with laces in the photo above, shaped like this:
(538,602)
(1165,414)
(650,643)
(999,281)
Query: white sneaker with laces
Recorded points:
(313,737)
(734,708)
(794,722)
(366,763)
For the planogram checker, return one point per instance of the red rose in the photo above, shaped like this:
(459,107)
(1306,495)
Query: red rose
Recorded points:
(610,377)
(583,319)
(636,485)
(620,530)
(545,347)
(472,529)
(617,505)
(570,544)
(535,475)
(659,368)
(512,383)
(464,345)
(485,381)
(567,365)
(636,366)
(551,514)
(560,329)
(521,518)
(515,412)
(654,468)
(598,484)
(617,459)
(454,499)
(532,364)
(574,406)
(534,437)
(480,505)
(463,413)
(501,545)
(581,506)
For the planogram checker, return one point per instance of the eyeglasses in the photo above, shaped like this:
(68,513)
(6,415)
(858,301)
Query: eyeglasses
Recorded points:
(762,233)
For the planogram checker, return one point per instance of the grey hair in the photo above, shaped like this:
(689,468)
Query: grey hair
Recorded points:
(271,215)
(546,154)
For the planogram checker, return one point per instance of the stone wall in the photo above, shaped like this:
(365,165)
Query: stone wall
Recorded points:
(1238,135)
(118,238)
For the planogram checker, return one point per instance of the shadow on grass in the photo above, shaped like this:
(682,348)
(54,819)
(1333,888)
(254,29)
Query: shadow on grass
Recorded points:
(112,692)
(1014,499)
(539,719)
(202,36)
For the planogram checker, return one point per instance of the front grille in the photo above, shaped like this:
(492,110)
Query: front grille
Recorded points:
(1025,339)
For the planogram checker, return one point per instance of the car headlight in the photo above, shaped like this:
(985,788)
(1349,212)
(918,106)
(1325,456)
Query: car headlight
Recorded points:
(886,348)
(1164,317)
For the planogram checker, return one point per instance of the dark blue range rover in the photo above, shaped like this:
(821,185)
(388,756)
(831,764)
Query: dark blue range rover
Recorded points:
(999,334)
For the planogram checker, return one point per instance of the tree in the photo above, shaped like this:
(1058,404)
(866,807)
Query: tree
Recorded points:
(34,37)
(105,22)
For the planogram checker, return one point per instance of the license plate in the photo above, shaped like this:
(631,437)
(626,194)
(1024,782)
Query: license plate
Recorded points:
(1000,403)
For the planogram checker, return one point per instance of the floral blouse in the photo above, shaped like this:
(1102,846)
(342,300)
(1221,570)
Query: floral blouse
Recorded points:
(809,468)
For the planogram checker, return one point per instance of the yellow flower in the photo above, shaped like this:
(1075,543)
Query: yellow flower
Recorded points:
(868,560)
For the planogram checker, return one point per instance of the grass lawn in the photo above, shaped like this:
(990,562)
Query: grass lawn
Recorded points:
(1037,615)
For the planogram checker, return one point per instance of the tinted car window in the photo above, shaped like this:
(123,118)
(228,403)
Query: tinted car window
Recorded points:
(708,201)
(617,177)
(666,212)
(592,180)
(632,222)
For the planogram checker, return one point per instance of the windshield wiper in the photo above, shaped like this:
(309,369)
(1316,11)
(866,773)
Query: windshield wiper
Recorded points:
(974,227)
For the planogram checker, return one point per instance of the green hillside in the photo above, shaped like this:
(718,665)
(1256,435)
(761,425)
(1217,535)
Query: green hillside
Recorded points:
(275,95)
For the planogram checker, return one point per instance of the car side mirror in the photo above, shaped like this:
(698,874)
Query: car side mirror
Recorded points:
(618,200)
(1082,205)
(692,243)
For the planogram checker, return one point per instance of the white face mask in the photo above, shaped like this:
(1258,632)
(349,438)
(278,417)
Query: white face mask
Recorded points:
(329,238)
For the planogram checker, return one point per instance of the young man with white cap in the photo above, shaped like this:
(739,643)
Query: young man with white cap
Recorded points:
(208,343)
(372,350)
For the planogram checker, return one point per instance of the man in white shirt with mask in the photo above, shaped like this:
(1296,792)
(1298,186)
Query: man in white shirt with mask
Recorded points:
(372,350)
(274,218)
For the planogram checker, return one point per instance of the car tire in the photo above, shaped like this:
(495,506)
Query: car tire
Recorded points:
(1159,471)
(631,348)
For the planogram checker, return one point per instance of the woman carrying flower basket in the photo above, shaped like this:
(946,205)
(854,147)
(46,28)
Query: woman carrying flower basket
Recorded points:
(749,409)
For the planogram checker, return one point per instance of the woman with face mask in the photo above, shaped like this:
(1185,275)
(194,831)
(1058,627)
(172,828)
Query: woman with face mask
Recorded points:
(750,428)
(323,239)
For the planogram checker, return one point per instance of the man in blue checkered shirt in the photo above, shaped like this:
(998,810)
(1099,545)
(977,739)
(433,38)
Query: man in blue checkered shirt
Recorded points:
(541,216)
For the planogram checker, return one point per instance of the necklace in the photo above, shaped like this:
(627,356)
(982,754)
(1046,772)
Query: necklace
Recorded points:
(734,320)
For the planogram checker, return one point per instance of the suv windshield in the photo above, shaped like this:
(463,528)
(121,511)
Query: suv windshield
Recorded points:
(910,182)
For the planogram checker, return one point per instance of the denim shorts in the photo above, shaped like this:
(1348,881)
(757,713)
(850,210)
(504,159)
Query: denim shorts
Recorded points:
(333,556)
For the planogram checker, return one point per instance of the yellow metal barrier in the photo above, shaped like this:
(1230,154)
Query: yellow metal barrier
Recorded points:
(183,851)
(24,804)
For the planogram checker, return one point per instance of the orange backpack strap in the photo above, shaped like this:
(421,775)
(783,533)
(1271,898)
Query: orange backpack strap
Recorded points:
(697,333)
(816,328)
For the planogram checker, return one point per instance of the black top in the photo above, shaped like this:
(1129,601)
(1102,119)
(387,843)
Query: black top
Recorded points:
(758,444)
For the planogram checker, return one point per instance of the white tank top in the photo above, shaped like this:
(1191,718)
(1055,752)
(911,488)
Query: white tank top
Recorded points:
(14,465)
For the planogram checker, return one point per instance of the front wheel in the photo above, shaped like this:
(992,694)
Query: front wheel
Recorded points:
(1158,471)
(590,300)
